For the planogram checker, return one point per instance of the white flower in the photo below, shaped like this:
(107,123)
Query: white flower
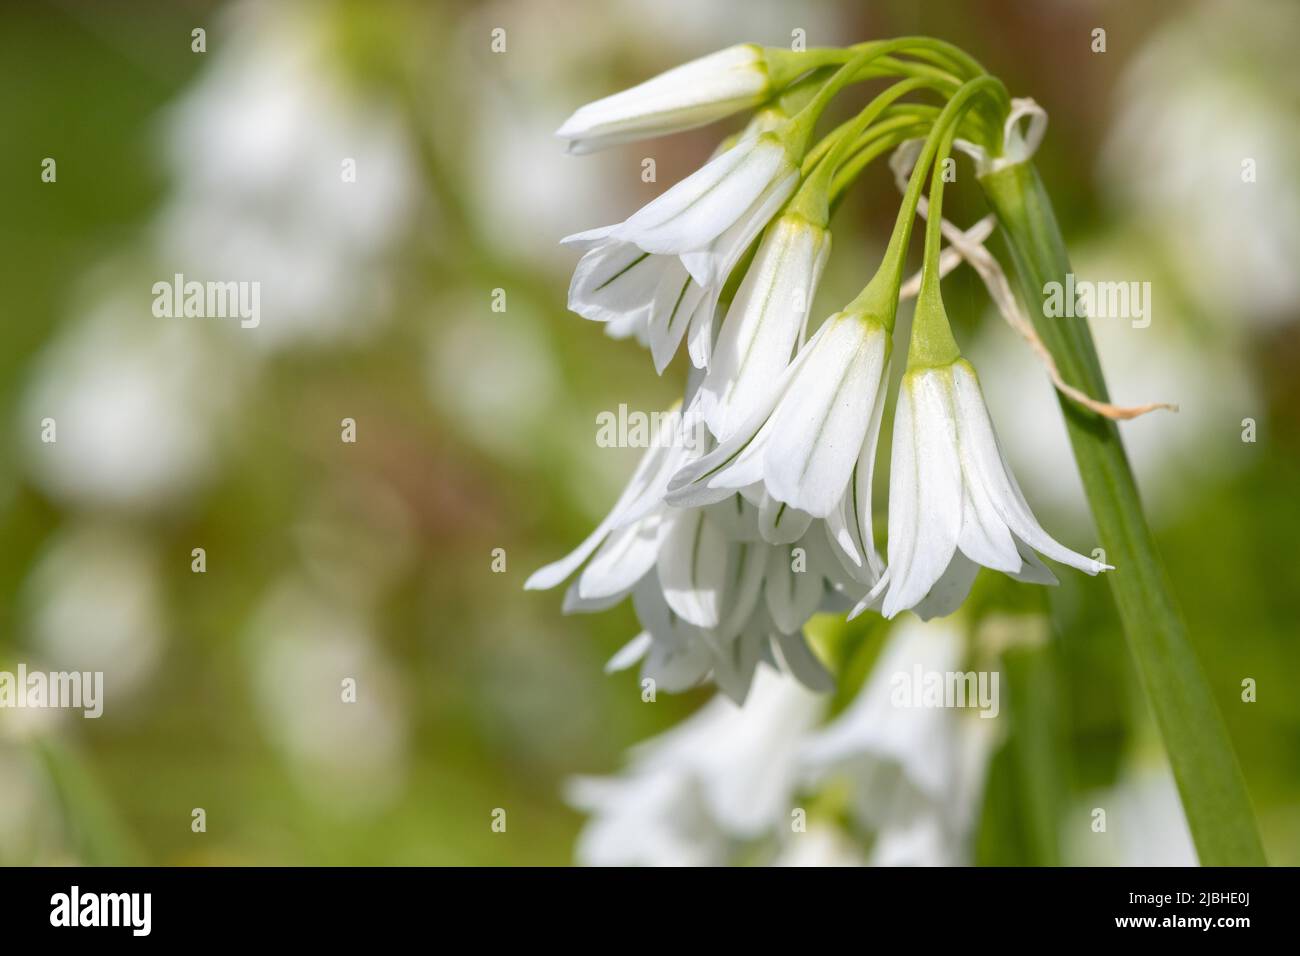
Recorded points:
(718,608)
(658,275)
(953,502)
(693,94)
(1145,823)
(637,293)
(765,322)
(917,773)
(625,545)
(725,774)
(812,441)
(717,590)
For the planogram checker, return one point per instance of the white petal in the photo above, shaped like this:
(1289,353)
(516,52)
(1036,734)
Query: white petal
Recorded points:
(764,322)
(792,596)
(701,207)
(644,492)
(928,490)
(615,278)
(950,590)
(822,421)
(712,264)
(693,567)
(1033,571)
(552,574)
(748,564)
(984,536)
(778,523)
(699,335)
(678,658)
(735,662)
(673,303)
(737,518)
(575,603)
(690,95)
(995,474)
(736,462)
(629,654)
(625,557)
(800,661)
(851,523)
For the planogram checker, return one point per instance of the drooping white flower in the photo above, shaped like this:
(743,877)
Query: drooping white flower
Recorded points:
(725,774)
(693,94)
(1145,821)
(765,323)
(639,293)
(719,606)
(717,590)
(953,502)
(814,436)
(917,772)
(642,279)
(625,545)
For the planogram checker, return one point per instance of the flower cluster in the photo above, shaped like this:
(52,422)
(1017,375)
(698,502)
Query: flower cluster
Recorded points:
(722,786)
(729,546)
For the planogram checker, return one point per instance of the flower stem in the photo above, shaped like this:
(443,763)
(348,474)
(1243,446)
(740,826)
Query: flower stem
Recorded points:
(1200,752)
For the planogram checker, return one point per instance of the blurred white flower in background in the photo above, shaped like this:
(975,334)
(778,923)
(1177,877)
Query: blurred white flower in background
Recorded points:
(93,602)
(724,775)
(916,774)
(1207,93)
(1145,825)
(350,756)
(820,845)
(727,778)
(494,376)
(137,404)
(256,149)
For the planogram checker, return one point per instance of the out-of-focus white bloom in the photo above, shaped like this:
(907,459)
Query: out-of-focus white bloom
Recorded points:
(137,413)
(693,94)
(1211,92)
(1145,824)
(953,502)
(495,382)
(666,264)
(351,752)
(261,150)
(815,430)
(918,772)
(722,784)
(821,846)
(765,323)
(724,775)
(94,603)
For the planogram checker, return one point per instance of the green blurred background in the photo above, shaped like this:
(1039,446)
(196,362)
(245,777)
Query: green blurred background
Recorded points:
(475,428)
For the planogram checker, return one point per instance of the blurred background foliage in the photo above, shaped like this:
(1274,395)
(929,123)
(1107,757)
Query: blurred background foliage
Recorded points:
(476,428)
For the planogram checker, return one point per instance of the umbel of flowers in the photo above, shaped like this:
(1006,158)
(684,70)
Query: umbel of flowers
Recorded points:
(728,546)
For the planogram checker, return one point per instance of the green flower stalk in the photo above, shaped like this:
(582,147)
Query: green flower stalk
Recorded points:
(1200,752)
